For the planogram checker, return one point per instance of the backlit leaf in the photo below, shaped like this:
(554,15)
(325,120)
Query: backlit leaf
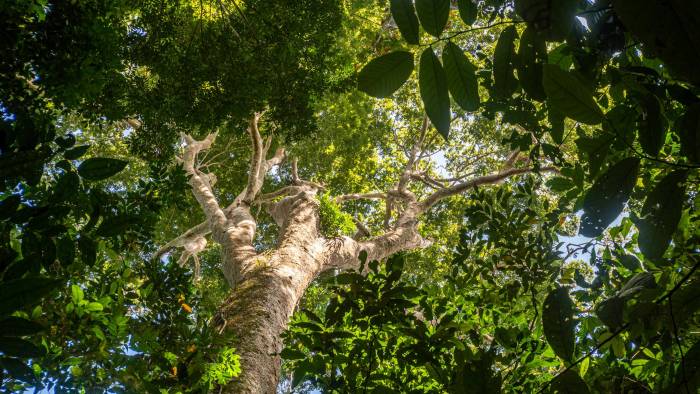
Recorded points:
(433,91)
(384,75)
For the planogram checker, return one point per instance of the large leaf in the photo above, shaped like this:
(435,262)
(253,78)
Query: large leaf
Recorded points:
(606,198)
(20,293)
(115,225)
(17,369)
(610,312)
(98,168)
(652,125)
(16,347)
(433,15)
(433,91)
(405,17)
(461,77)
(689,132)
(503,78)
(569,383)
(569,96)
(88,249)
(384,75)
(558,322)
(661,214)
(554,19)
(532,53)
(14,326)
(467,11)
(668,29)
(595,148)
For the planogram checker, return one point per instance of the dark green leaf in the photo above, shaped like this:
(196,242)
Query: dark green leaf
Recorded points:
(557,121)
(651,125)
(115,225)
(554,19)
(17,327)
(569,96)
(467,11)
(21,293)
(433,15)
(88,249)
(461,77)
(505,83)
(569,383)
(65,250)
(16,347)
(610,312)
(76,152)
(667,29)
(17,369)
(689,131)
(384,75)
(558,322)
(595,149)
(532,53)
(9,205)
(660,214)
(433,91)
(606,198)
(405,17)
(99,168)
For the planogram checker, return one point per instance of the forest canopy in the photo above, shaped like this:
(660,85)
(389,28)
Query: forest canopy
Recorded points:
(411,196)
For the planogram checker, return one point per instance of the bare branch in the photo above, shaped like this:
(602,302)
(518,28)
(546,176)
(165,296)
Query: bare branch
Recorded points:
(201,185)
(361,196)
(482,180)
(195,232)
(256,160)
(295,171)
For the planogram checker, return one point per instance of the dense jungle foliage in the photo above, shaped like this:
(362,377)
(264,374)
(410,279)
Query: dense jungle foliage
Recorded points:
(582,280)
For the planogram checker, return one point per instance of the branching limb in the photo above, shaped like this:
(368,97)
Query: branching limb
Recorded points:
(201,186)
(198,231)
(361,196)
(478,181)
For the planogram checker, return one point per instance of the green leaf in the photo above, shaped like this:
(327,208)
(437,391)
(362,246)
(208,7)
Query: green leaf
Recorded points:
(569,96)
(65,250)
(558,322)
(689,132)
(433,15)
(606,198)
(557,130)
(292,354)
(13,326)
(504,80)
(405,17)
(461,77)
(384,75)
(99,168)
(595,149)
(25,292)
(76,152)
(433,91)
(652,125)
(584,366)
(76,294)
(569,383)
(17,369)
(532,53)
(554,19)
(88,249)
(660,214)
(16,347)
(115,225)
(94,307)
(668,30)
(467,11)
(610,312)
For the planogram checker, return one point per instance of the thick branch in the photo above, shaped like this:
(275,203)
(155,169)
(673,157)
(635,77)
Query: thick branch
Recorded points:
(482,180)
(361,196)
(201,186)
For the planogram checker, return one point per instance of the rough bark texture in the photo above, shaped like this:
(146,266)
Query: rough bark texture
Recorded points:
(266,287)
